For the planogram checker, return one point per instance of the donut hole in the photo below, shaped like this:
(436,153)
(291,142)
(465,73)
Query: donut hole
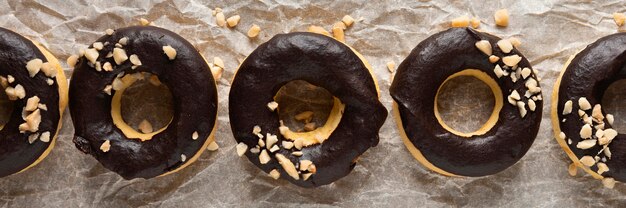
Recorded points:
(613,101)
(6,108)
(302,103)
(465,103)
(146,99)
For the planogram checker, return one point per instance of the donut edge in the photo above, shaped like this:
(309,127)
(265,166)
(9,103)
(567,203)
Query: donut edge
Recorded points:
(556,125)
(210,138)
(63,100)
(417,154)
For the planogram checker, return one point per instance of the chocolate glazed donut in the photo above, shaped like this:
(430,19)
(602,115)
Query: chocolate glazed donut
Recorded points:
(98,82)
(350,130)
(580,125)
(34,79)
(509,131)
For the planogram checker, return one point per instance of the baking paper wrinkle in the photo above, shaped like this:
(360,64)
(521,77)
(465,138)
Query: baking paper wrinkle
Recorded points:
(386,175)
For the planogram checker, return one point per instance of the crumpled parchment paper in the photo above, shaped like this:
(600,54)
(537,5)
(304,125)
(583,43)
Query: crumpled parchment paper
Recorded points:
(386,175)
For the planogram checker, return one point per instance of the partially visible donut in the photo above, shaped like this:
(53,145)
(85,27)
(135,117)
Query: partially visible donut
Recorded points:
(101,76)
(581,126)
(327,153)
(34,79)
(509,131)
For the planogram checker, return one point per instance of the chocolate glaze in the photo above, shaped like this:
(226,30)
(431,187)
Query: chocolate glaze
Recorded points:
(195,104)
(321,61)
(415,87)
(588,75)
(16,153)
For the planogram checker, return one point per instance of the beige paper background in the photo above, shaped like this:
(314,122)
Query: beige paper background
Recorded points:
(386,176)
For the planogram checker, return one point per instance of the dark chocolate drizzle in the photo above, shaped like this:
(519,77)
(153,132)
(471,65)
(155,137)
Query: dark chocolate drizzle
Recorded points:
(415,87)
(195,104)
(16,153)
(588,75)
(321,61)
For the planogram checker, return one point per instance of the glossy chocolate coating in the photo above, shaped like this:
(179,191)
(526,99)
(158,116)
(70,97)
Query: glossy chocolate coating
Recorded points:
(321,61)
(588,75)
(195,104)
(414,89)
(16,153)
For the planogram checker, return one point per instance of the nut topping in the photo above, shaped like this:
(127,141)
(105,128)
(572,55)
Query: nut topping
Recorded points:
(119,55)
(288,166)
(241,148)
(505,45)
(170,52)
(106,146)
(567,108)
(484,46)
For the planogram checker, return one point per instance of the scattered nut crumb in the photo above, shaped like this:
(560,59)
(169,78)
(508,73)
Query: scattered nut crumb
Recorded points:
(347,20)
(109,31)
(274,174)
(391,66)
(297,153)
(502,17)
(254,31)
(572,169)
(608,183)
(233,21)
(213,146)
(241,148)
(338,34)
(619,19)
(194,135)
(462,21)
(220,19)
(475,22)
(183,157)
(144,21)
